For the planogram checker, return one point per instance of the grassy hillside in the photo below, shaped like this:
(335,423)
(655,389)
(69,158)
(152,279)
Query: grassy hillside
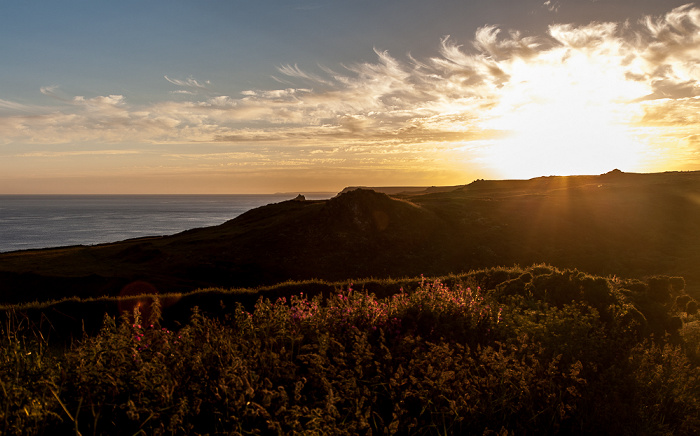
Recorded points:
(632,225)
(260,325)
(535,350)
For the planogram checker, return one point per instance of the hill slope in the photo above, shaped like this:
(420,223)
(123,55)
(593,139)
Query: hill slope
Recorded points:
(616,223)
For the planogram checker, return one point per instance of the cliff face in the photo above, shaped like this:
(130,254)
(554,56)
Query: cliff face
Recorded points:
(625,224)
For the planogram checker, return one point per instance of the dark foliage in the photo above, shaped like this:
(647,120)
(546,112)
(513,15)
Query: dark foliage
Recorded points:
(542,351)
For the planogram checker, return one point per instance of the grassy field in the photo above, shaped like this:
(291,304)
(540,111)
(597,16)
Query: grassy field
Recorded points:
(535,350)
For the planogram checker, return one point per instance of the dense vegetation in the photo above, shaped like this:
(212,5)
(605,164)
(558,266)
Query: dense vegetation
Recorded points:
(500,351)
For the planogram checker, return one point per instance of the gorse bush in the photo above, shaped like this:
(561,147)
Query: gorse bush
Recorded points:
(434,359)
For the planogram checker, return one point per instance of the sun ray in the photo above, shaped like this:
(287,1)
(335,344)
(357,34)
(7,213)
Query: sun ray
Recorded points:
(566,113)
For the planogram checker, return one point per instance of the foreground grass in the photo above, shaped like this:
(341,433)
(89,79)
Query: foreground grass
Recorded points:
(509,351)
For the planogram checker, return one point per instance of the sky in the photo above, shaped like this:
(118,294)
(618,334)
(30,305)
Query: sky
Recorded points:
(255,96)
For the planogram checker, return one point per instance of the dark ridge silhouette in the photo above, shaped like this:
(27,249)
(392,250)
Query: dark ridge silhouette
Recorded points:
(633,225)
(403,190)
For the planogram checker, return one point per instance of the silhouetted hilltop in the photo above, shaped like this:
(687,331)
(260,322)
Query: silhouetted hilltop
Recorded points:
(403,190)
(616,223)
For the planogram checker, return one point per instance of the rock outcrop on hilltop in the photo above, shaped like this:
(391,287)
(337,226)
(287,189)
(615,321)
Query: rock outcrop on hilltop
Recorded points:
(618,223)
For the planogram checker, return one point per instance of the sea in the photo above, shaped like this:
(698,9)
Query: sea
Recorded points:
(42,221)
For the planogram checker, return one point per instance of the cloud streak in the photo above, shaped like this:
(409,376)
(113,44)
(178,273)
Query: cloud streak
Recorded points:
(190,82)
(52,154)
(17,107)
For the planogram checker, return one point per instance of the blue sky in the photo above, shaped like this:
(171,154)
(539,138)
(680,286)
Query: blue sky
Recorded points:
(267,96)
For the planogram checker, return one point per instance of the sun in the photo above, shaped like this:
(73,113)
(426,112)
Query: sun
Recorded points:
(564,115)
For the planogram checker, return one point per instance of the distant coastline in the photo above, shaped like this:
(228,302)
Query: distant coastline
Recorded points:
(45,220)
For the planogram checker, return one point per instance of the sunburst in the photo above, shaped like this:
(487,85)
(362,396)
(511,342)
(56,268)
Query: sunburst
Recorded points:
(567,113)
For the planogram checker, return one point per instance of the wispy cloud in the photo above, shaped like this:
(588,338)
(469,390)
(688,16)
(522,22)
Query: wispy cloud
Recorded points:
(54,91)
(552,6)
(293,71)
(53,154)
(18,107)
(190,82)
(182,91)
(48,90)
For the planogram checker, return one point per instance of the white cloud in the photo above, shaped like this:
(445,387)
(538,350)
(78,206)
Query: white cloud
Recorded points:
(552,6)
(583,37)
(108,100)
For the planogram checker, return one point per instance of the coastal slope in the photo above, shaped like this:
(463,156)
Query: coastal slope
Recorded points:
(617,223)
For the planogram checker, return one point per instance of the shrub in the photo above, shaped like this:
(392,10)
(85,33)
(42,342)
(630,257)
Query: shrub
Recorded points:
(525,277)
(682,301)
(28,379)
(597,292)
(558,288)
(430,359)
(659,289)
(667,385)
(677,284)
(510,287)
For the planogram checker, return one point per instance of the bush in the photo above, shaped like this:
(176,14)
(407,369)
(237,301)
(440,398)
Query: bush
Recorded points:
(677,284)
(659,289)
(433,359)
(682,301)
